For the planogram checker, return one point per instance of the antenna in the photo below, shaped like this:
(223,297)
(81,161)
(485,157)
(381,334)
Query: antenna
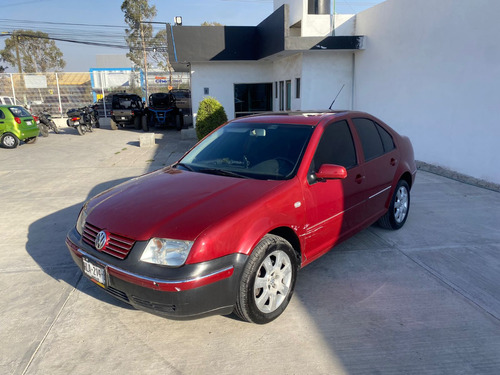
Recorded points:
(336,96)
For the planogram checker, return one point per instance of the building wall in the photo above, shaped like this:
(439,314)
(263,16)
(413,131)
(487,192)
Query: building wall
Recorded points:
(323,74)
(285,69)
(220,79)
(431,70)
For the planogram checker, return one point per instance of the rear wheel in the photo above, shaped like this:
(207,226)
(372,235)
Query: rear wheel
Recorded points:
(268,280)
(30,140)
(9,140)
(81,129)
(145,124)
(397,214)
(137,123)
(113,124)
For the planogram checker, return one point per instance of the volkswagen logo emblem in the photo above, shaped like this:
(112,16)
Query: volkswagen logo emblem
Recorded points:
(101,240)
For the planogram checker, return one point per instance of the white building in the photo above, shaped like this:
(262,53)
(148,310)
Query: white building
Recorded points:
(428,68)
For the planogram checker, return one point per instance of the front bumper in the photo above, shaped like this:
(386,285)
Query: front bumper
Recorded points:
(187,292)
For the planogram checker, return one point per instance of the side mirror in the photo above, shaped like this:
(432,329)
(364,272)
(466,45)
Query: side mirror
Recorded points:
(331,172)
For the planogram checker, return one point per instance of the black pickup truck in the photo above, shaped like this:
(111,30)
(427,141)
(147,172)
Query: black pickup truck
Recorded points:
(126,110)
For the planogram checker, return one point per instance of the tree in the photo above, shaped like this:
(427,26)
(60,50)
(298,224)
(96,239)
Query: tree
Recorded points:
(2,68)
(211,115)
(32,51)
(139,34)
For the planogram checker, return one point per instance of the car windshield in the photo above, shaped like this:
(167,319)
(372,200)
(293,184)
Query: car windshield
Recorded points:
(19,112)
(250,150)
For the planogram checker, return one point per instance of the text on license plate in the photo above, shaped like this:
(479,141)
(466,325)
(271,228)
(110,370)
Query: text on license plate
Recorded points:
(94,271)
(123,118)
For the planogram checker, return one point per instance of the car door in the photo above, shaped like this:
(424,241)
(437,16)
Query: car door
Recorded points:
(333,207)
(380,161)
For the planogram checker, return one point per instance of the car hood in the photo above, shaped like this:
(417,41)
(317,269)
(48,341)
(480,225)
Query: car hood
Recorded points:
(171,203)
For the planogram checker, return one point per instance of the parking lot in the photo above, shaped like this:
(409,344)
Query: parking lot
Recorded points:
(422,300)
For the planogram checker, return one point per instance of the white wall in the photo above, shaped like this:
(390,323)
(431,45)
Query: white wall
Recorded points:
(220,79)
(323,74)
(431,70)
(285,69)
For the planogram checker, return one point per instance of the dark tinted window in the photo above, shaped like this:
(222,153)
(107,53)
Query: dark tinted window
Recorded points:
(371,136)
(335,147)
(386,139)
(2,115)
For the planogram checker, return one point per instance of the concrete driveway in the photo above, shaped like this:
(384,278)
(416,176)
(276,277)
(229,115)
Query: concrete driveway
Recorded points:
(422,300)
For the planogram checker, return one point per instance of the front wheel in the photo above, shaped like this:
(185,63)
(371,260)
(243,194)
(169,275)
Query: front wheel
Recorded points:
(54,127)
(399,207)
(268,280)
(44,130)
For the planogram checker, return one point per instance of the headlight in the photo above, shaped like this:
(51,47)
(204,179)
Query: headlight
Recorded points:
(82,218)
(166,252)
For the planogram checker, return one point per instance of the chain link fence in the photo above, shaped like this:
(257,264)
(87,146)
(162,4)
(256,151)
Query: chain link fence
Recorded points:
(59,92)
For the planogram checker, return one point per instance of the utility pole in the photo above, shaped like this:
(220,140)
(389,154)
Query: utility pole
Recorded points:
(145,61)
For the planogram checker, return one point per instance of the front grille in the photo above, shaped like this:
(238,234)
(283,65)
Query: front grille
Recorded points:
(117,246)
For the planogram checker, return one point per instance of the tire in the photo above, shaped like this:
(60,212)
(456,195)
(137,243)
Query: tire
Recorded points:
(113,124)
(137,123)
(399,208)
(97,124)
(178,122)
(145,124)
(44,130)
(81,129)
(9,140)
(30,140)
(54,127)
(267,281)
(89,128)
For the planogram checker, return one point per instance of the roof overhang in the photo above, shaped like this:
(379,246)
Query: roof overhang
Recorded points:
(267,41)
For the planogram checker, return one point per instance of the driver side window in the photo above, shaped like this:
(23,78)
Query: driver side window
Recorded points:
(335,147)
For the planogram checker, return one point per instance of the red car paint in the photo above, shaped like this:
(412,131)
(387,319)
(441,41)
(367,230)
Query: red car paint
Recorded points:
(227,215)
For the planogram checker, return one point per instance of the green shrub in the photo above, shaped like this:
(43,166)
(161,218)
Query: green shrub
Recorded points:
(210,115)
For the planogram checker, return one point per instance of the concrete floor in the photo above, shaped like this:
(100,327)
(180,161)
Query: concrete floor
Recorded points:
(422,300)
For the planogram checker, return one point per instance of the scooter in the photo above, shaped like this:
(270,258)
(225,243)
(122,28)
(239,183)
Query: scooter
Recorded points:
(83,119)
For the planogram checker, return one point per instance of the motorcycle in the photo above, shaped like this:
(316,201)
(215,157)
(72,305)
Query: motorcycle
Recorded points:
(45,123)
(83,119)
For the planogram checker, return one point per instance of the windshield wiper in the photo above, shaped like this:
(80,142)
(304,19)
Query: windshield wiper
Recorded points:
(221,172)
(184,166)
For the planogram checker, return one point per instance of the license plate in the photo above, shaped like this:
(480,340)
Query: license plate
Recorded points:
(95,272)
(29,122)
(123,118)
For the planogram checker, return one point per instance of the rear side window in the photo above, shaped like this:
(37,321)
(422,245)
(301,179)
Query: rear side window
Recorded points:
(375,140)
(19,112)
(336,147)
(2,115)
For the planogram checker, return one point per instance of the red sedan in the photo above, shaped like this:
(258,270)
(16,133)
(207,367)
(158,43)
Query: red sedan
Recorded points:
(229,225)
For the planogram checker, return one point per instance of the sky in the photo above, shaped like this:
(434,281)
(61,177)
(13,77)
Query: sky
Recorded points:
(102,20)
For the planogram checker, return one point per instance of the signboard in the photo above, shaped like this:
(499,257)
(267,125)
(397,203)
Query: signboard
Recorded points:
(34,81)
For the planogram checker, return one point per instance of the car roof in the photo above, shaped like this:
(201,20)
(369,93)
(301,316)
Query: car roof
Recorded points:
(313,117)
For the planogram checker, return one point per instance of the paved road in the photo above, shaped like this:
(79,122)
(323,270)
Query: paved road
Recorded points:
(423,300)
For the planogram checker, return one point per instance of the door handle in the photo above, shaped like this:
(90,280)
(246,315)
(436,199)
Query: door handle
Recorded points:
(359,178)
